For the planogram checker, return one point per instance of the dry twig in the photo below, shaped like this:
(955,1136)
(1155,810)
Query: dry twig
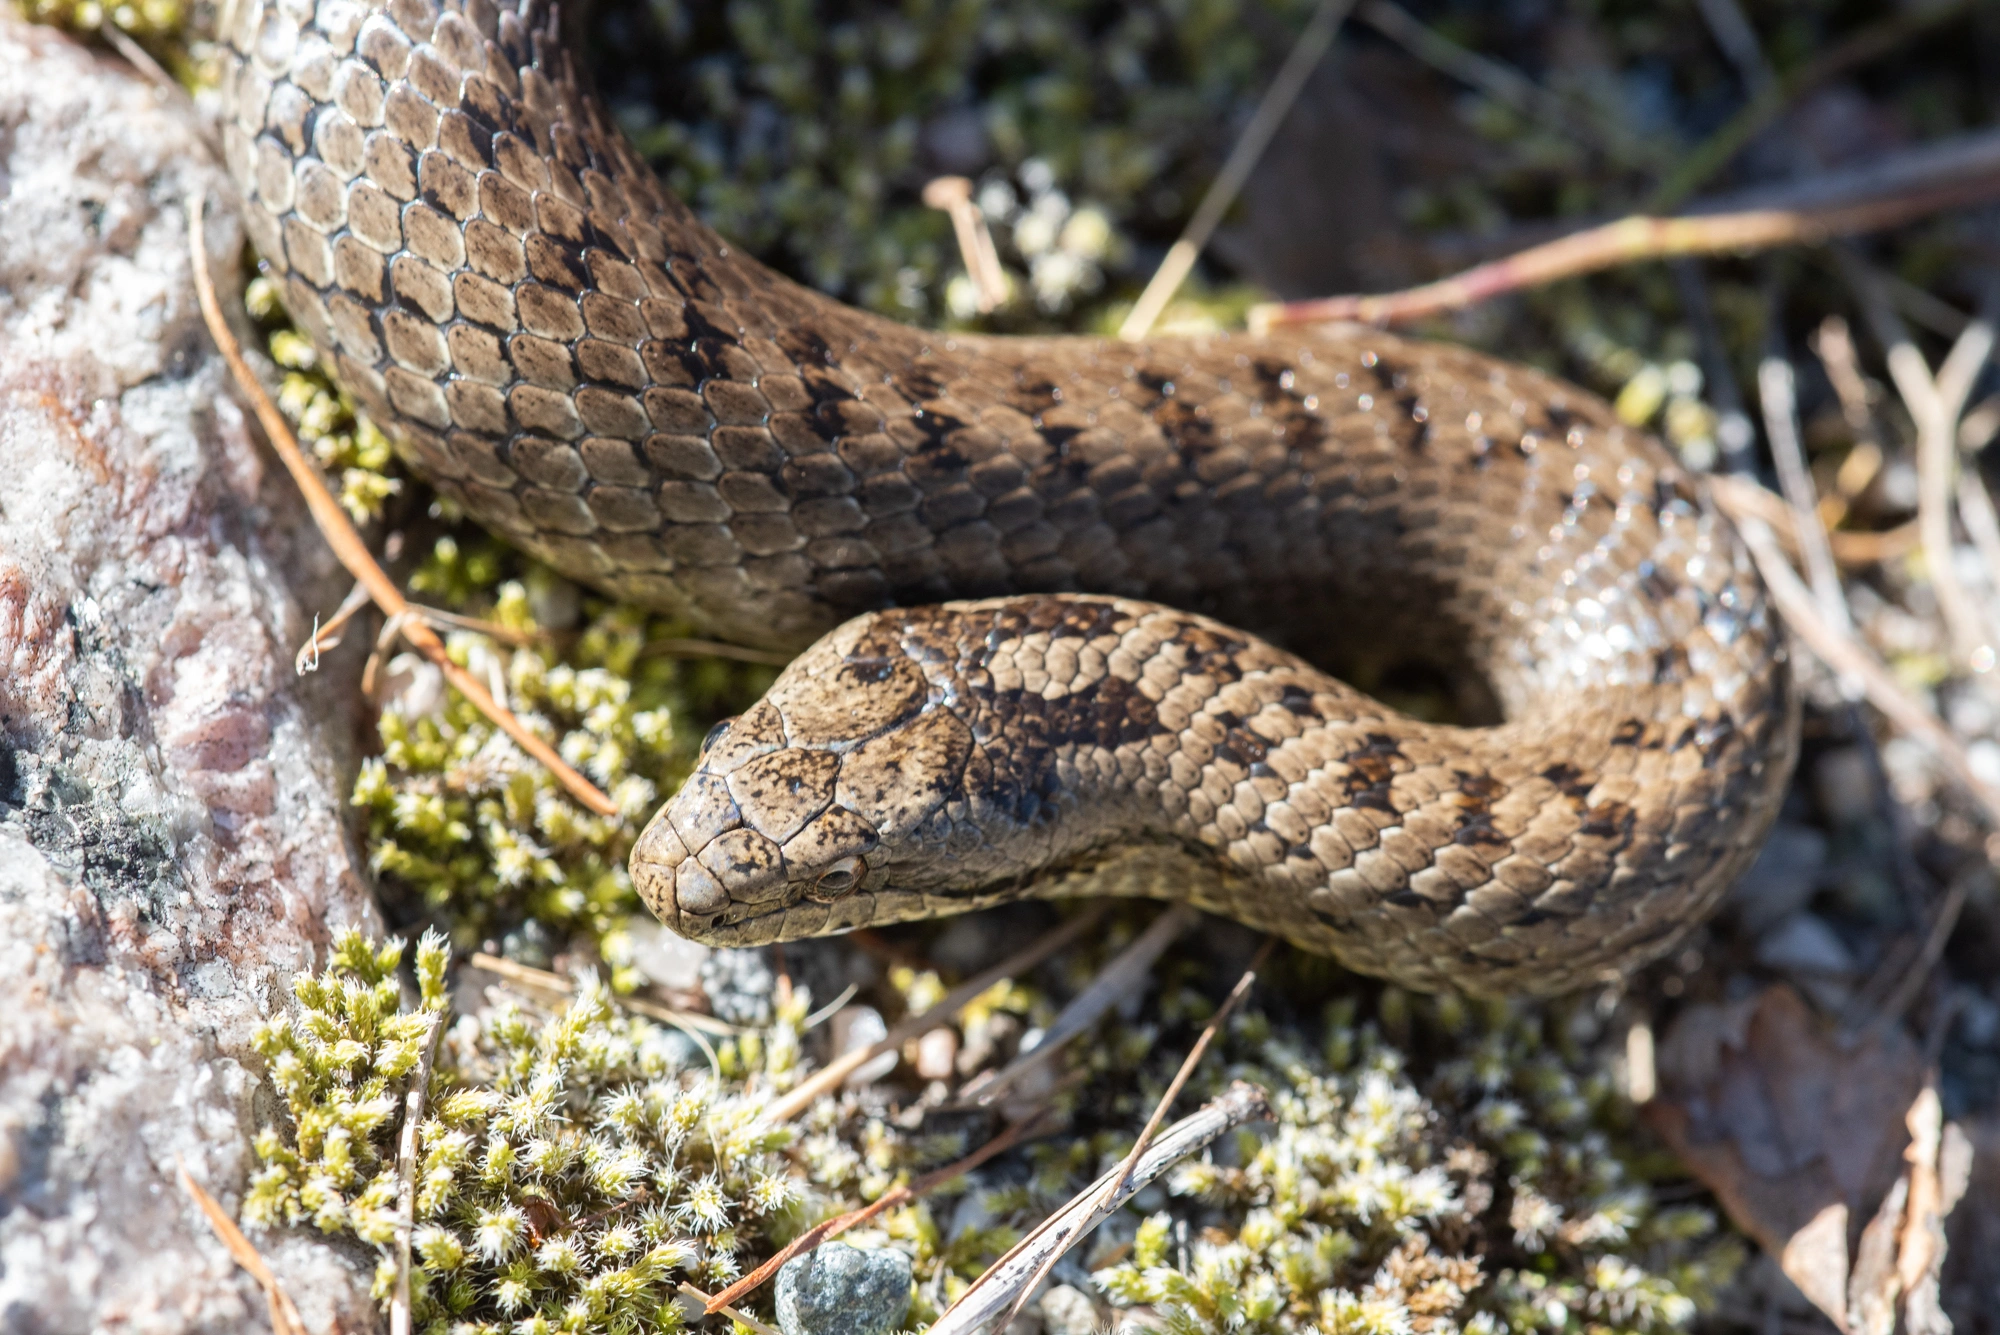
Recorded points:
(1114,982)
(406,1175)
(1116,1181)
(347,545)
(734,1314)
(1885,194)
(285,1318)
(829,1077)
(994,1293)
(1935,405)
(694,1025)
(1845,655)
(952,195)
(1256,137)
(888,1200)
(672,647)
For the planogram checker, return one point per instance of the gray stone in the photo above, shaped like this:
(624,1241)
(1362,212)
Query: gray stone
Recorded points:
(1805,943)
(836,1289)
(1067,1310)
(173,840)
(1782,880)
(739,984)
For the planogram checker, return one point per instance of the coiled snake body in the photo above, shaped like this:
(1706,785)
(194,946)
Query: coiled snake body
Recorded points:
(558,345)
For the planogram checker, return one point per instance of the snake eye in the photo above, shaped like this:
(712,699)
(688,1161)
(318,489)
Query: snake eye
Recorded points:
(838,881)
(715,734)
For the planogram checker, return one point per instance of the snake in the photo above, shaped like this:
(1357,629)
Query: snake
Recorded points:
(1061,605)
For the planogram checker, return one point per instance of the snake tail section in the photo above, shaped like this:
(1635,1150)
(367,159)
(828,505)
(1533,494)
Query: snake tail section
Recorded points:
(558,345)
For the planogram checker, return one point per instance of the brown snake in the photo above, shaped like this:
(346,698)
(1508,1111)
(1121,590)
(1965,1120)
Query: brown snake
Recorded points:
(558,345)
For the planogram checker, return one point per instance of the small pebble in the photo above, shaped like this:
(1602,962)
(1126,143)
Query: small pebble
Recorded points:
(739,984)
(936,1053)
(1069,1311)
(836,1289)
(1804,943)
(1782,879)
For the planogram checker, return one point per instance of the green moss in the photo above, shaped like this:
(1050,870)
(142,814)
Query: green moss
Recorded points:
(805,132)
(573,1169)
(485,837)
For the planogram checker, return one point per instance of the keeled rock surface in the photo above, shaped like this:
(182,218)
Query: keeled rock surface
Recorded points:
(172,843)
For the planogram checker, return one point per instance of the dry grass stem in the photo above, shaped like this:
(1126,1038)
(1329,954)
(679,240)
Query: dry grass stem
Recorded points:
(326,634)
(406,1174)
(285,1318)
(1117,1179)
(1935,404)
(1777,390)
(994,1293)
(830,1076)
(1118,979)
(1849,548)
(889,1200)
(1506,85)
(1842,653)
(952,195)
(554,984)
(347,545)
(686,648)
(742,1318)
(1909,186)
(1250,145)
(1904,995)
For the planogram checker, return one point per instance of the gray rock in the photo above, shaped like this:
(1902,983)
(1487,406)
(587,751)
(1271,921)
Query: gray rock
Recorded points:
(1805,943)
(1783,879)
(836,1289)
(173,839)
(739,984)
(1067,1310)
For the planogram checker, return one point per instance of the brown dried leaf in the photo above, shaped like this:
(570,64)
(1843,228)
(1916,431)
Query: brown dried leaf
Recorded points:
(1799,1135)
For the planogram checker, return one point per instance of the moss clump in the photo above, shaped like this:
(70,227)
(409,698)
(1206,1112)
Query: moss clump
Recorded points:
(156,22)
(1496,1193)
(484,835)
(574,1169)
(805,132)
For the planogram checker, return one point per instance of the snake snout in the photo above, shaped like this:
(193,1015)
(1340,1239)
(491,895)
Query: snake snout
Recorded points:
(750,835)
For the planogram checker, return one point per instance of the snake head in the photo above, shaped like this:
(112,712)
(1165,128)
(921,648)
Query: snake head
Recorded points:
(807,814)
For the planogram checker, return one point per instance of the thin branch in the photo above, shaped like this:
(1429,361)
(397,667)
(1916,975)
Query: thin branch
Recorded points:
(829,1077)
(734,1314)
(1777,389)
(1935,940)
(952,195)
(406,1174)
(888,1200)
(347,545)
(1935,404)
(1256,137)
(1506,85)
(554,984)
(326,635)
(1856,49)
(1886,193)
(1116,1181)
(285,1318)
(1849,548)
(994,1292)
(684,648)
(1843,653)
(1114,982)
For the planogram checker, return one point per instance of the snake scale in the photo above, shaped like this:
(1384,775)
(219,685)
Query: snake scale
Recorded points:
(563,349)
